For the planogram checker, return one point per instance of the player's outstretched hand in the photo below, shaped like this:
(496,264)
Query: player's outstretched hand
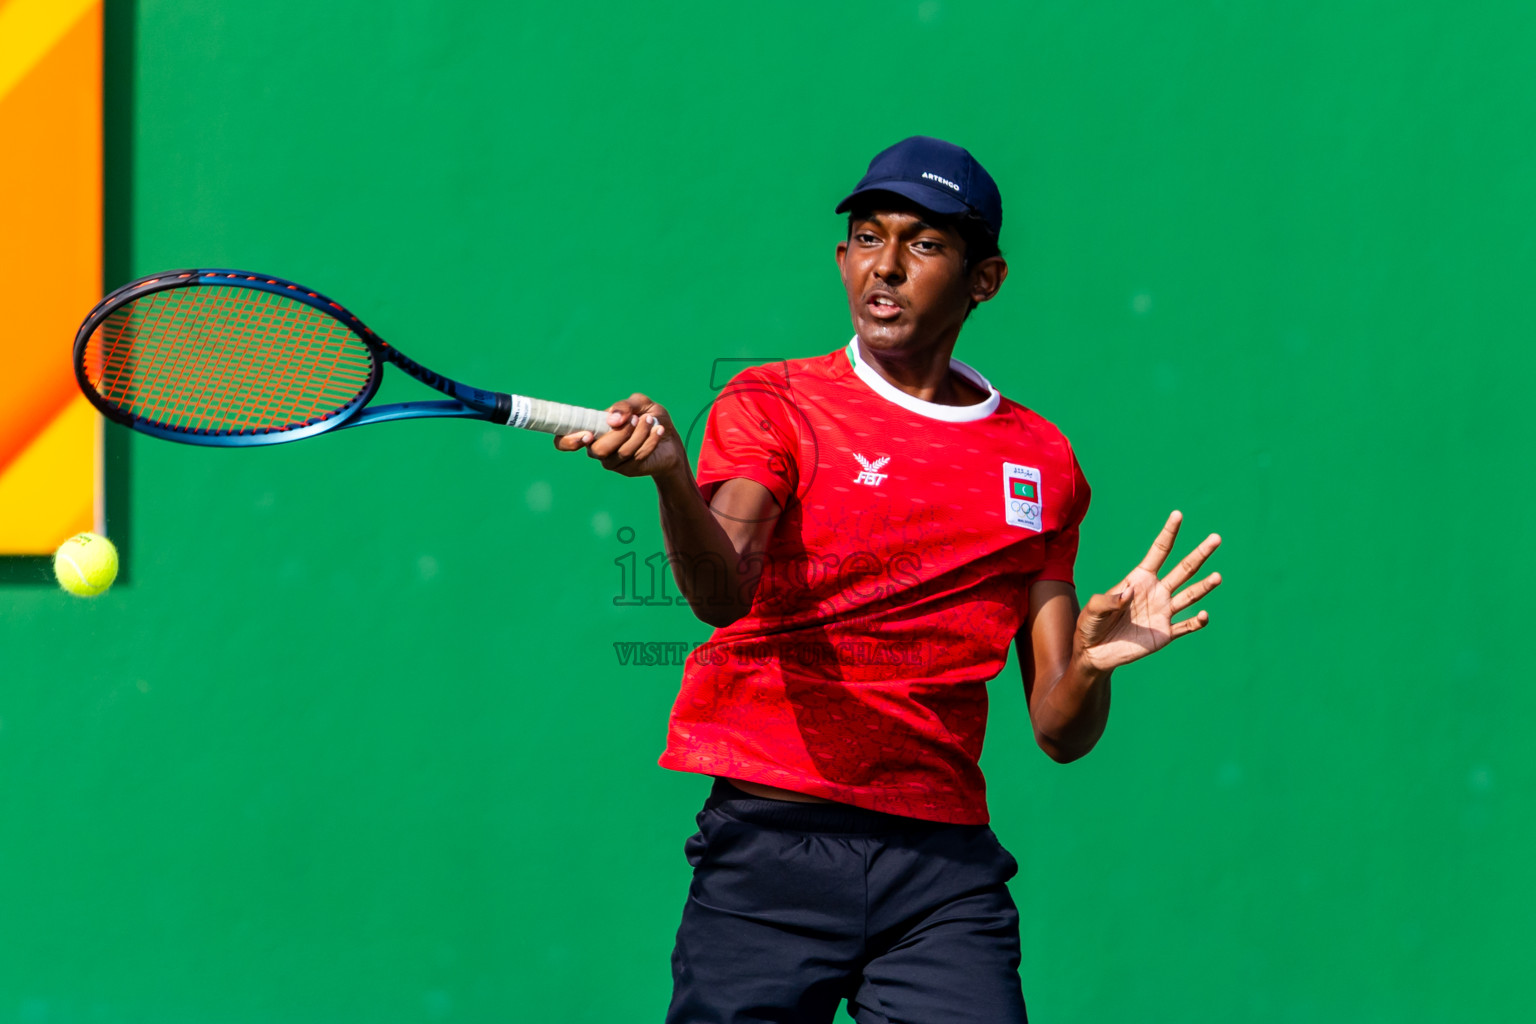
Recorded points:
(643,441)
(1136,617)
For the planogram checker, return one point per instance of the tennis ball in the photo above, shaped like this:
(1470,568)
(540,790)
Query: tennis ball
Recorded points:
(86,564)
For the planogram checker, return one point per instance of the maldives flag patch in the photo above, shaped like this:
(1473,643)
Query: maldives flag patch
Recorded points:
(1022,500)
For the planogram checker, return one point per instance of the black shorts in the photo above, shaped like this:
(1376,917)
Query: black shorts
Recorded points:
(795,906)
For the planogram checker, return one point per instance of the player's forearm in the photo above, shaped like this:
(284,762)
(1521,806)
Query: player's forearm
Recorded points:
(1072,710)
(709,568)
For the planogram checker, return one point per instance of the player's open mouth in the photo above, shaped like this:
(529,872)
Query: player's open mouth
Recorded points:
(882,308)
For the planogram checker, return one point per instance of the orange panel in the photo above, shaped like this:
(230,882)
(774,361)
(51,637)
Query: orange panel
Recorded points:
(50,275)
(32,482)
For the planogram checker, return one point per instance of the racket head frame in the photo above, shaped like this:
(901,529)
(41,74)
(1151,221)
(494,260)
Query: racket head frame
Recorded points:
(172,279)
(467,402)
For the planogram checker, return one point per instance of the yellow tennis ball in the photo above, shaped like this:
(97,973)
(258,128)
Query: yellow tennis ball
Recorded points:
(86,564)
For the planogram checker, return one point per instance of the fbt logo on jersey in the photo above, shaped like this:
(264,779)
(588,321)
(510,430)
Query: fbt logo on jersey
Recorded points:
(871,474)
(1023,504)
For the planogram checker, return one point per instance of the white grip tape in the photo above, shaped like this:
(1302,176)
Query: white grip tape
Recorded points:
(555,417)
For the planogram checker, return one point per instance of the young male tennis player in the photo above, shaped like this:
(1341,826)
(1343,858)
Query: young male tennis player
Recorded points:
(869,530)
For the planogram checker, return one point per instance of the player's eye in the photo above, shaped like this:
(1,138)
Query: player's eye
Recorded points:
(865,238)
(928,245)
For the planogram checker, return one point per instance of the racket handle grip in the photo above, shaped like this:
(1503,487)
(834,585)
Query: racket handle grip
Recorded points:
(556,417)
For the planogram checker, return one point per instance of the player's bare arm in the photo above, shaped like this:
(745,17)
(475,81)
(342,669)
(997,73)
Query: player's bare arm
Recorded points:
(1066,655)
(716,548)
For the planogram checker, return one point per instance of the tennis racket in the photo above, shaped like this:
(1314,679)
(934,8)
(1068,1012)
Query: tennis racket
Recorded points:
(233,359)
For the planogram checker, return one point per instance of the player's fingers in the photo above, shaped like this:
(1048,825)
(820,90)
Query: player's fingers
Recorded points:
(1107,604)
(607,446)
(1191,563)
(632,408)
(1189,595)
(1158,553)
(1100,614)
(660,415)
(623,411)
(1190,625)
(573,442)
(653,437)
(619,415)
(638,435)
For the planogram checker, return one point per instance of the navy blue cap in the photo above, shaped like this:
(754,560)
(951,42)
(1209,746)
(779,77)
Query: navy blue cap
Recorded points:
(937,176)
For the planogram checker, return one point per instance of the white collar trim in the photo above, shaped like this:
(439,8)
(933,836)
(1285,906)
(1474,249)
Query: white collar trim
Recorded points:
(934,411)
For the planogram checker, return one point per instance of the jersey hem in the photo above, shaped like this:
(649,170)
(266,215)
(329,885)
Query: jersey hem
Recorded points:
(861,797)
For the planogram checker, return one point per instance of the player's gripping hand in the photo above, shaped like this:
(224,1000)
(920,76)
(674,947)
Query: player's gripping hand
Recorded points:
(643,441)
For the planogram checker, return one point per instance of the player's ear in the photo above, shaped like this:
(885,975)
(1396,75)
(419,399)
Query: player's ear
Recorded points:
(987,277)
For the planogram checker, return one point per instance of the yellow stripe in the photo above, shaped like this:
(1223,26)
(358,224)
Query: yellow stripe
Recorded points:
(29,29)
(39,506)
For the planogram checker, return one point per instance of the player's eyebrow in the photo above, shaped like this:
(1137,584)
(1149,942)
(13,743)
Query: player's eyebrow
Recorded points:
(921,225)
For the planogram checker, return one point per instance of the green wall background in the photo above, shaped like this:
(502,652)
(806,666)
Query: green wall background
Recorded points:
(352,743)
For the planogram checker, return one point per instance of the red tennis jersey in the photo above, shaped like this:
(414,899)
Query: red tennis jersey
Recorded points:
(893,584)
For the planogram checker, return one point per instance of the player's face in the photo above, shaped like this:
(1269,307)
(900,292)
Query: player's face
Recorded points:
(907,283)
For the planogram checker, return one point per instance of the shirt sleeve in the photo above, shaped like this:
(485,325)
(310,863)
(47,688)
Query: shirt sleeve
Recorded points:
(751,434)
(1061,547)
